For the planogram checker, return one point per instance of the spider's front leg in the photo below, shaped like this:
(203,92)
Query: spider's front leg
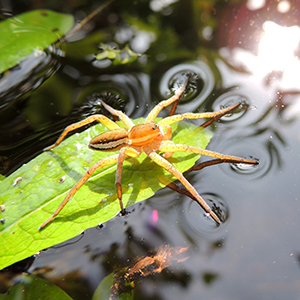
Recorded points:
(169,146)
(100,164)
(190,116)
(170,168)
(156,110)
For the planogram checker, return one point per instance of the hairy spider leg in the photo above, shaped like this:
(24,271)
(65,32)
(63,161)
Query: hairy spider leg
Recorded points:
(156,110)
(124,152)
(215,115)
(170,168)
(211,120)
(169,146)
(167,136)
(100,164)
(100,118)
(126,120)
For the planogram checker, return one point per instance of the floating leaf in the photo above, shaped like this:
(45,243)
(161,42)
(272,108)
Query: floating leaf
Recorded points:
(32,287)
(33,192)
(2,177)
(103,290)
(29,33)
(118,56)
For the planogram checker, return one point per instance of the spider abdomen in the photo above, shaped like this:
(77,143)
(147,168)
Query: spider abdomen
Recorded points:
(110,141)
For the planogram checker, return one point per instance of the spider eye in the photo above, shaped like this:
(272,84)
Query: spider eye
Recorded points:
(154,127)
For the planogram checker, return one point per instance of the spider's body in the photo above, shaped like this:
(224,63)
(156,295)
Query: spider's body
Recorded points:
(137,137)
(150,137)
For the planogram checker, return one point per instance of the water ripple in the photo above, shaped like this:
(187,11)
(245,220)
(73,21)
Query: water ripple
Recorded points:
(193,219)
(228,99)
(204,84)
(251,148)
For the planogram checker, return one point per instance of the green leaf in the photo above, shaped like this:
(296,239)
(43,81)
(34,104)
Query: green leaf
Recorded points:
(29,33)
(2,177)
(33,192)
(118,56)
(32,288)
(103,291)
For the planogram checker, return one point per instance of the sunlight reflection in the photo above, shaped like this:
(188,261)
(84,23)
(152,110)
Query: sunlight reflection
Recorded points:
(284,6)
(255,4)
(277,46)
(276,52)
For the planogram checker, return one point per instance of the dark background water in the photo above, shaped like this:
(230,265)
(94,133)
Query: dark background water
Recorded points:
(240,53)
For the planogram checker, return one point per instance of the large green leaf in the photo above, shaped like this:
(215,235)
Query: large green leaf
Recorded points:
(33,192)
(33,288)
(30,32)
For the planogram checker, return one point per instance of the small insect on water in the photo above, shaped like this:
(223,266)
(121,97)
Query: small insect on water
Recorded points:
(150,137)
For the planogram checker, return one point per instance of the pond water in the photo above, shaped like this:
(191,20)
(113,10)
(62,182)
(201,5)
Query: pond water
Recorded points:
(239,52)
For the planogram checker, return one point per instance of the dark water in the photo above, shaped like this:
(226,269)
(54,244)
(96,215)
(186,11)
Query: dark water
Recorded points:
(255,254)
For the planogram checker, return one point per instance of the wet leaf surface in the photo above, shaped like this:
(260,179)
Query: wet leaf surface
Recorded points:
(30,32)
(32,287)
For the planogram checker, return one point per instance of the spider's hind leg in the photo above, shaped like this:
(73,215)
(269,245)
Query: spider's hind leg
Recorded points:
(126,120)
(100,164)
(100,118)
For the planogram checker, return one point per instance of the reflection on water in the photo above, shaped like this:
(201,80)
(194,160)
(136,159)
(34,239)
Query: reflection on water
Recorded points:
(27,76)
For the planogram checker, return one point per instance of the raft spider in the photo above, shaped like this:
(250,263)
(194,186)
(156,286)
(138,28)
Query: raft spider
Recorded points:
(150,137)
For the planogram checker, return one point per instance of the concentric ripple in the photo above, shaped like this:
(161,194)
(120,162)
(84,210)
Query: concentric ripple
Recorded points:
(194,220)
(201,87)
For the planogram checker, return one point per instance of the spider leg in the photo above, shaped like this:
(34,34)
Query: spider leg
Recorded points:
(170,168)
(167,136)
(156,110)
(100,164)
(126,121)
(124,152)
(215,115)
(169,146)
(100,118)
(198,167)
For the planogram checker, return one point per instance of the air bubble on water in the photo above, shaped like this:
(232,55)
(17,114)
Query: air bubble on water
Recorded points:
(243,167)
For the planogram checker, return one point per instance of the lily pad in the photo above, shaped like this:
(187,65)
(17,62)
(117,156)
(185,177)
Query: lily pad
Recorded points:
(33,192)
(29,33)
(32,287)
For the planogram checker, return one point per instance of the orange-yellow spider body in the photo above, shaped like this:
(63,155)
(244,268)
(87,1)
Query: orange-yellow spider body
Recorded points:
(150,138)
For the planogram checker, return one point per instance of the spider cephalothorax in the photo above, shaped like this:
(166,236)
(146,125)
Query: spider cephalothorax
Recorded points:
(150,137)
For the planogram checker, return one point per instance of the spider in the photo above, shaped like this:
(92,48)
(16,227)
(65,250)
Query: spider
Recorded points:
(150,137)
